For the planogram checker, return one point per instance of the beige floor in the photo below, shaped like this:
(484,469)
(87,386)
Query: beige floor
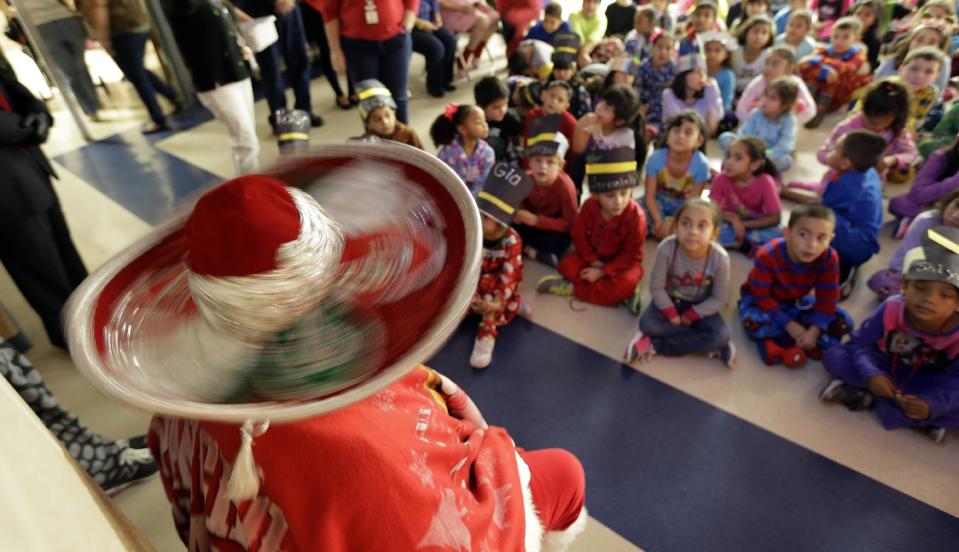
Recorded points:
(778,400)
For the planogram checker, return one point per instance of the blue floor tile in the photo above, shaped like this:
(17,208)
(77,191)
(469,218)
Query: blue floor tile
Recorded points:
(672,473)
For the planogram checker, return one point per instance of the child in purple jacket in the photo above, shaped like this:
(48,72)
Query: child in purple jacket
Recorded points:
(938,177)
(888,281)
(904,359)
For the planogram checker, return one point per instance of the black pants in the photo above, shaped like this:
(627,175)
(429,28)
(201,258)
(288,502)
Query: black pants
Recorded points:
(544,241)
(65,39)
(439,49)
(291,47)
(316,33)
(39,255)
(128,50)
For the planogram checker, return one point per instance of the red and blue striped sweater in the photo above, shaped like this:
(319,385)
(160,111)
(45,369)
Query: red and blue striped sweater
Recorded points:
(776,281)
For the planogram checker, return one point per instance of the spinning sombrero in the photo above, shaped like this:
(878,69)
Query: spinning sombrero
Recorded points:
(306,298)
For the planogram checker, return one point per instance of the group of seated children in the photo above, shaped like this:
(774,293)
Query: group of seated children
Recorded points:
(527,146)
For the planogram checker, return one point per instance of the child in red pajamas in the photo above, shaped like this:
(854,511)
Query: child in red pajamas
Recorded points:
(833,72)
(497,300)
(608,235)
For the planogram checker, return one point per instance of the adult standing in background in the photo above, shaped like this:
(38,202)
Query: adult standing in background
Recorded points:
(205,31)
(64,36)
(122,27)
(316,33)
(36,248)
(518,17)
(291,46)
(372,39)
(438,45)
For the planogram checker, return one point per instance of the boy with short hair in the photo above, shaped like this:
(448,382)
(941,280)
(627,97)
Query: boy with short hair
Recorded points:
(776,305)
(555,100)
(608,235)
(497,299)
(505,126)
(564,69)
(918,72)
(378,113)
(552,23)
(854,193)
(834,71)
(547,214)
(904,359)
(636,43)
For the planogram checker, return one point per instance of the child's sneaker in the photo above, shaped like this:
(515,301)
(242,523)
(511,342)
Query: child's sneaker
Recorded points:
(816,120)
(549,259)
(936,433)
(899,231)
(639,348)
(846,287)
(482,352)
(794,357)
(728,355)
(636,301)
(525,309)
(554,284)
(849,396)
(770,352)
(134,465)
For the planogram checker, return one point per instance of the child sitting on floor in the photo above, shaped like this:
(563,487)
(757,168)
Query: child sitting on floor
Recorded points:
(564,69)
(885,111)
(545,30)
(938,177)
(692,89)
(689,285)
(796,34)
(460,132)
(775,304)
(546,216)
(773,122)
(755,37)
(903,359)
(717,48)
(505,127)
(888,281)
(828,14)
(855,195)
(921,36)
(781,62)
(497,299)
(555,98)
(637,42)
(835,71)
(655,75)
(676,171)
(943,134)
(703,19)
(378,113)
(608,235)
(747,194)
(918,73)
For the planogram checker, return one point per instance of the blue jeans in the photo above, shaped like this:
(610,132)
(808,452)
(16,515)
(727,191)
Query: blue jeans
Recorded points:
(128,51)
(706,335)
(65,38)
(387,60)
(291,45)
(439,49)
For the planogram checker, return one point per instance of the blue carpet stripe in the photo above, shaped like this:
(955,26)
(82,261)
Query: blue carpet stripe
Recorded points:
(672,473)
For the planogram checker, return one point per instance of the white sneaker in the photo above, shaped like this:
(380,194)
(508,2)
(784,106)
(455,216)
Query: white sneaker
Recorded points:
(482,352)
(525,309)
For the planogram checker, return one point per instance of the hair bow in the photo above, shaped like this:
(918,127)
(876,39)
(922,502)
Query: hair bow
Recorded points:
(450,111)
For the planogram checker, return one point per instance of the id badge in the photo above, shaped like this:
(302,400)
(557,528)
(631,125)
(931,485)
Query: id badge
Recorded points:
(372,15)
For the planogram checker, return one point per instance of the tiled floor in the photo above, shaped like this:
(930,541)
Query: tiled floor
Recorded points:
(102,210)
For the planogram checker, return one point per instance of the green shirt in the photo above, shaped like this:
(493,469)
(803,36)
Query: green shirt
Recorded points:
(589,30)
